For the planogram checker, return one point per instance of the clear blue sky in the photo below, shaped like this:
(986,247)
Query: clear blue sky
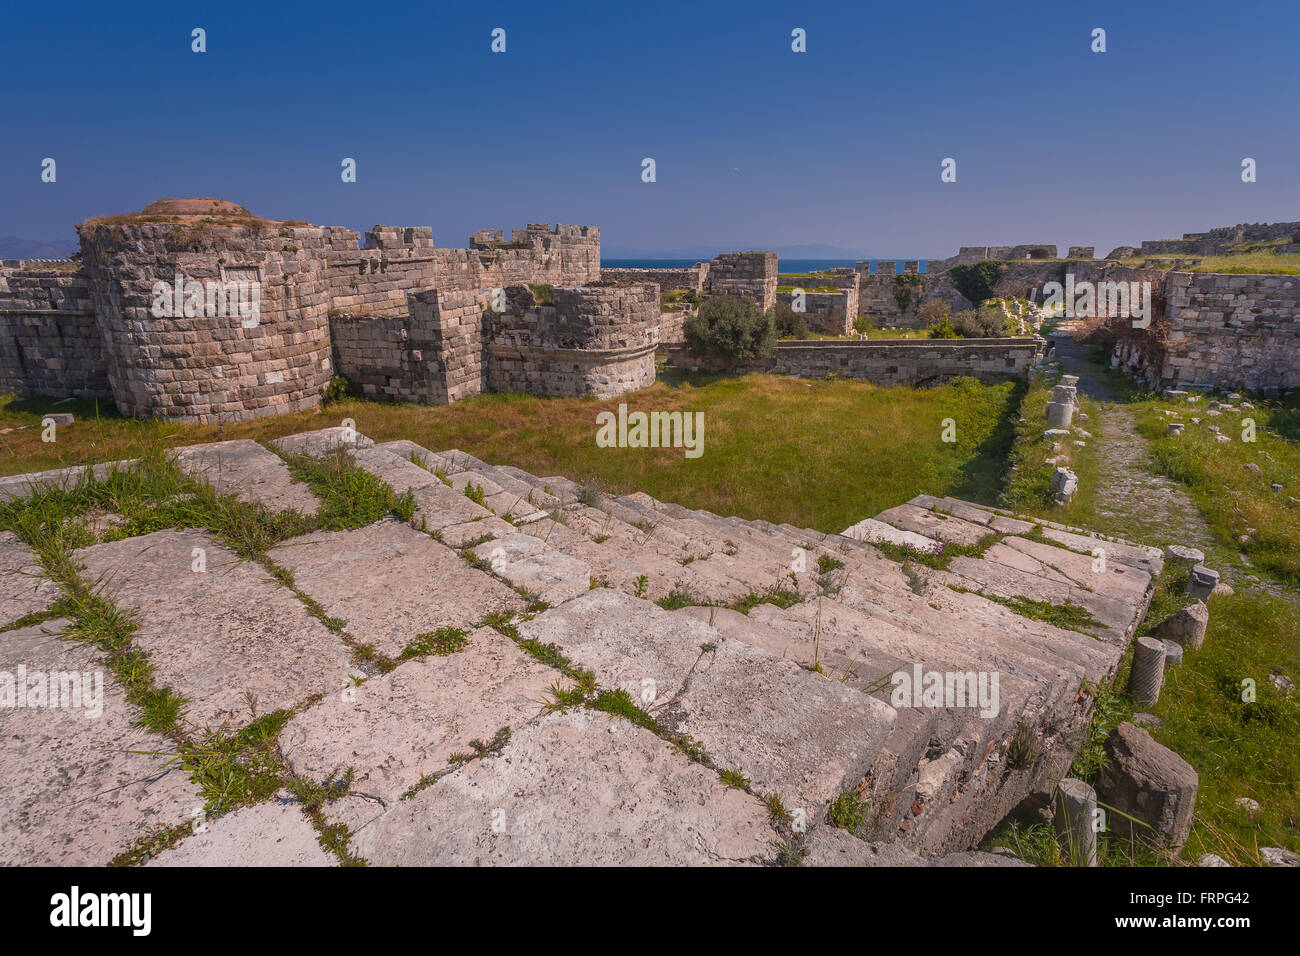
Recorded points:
(756,146)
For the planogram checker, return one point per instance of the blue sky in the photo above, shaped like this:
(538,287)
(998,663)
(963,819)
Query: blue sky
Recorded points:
(755,146)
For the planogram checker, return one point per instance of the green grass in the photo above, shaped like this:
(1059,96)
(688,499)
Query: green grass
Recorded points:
(1239,749)
(1068,616)
(350,497)
(1230,482)
(1028,488)
(832,452)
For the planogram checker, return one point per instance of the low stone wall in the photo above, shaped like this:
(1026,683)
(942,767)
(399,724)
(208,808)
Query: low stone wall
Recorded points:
(603,373)
(919,363)
(49,341)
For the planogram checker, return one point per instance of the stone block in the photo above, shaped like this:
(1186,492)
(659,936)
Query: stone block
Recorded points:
(579,788)
(221,635)
(1151,783)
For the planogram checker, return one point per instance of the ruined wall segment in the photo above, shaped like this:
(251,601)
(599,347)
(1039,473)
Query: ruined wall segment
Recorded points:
(49,340)
(751,275)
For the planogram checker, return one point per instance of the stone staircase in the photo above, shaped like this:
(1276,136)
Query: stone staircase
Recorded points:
(784,708)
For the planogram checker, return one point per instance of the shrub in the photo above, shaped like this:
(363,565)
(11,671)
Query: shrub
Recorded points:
(730,327)
(789,323)
(338,389)
(976,281)
(864,324)
(980,323)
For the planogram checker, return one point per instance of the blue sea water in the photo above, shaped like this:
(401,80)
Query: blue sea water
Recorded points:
(784,265)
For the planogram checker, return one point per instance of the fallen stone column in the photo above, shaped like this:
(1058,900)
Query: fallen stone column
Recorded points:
(1148,671)
(1076,813)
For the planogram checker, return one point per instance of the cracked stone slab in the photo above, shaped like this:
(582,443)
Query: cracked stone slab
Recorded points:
(788,729)
(579,788)
(529,563)
(24,589)
(394,729)
(22,486)
(269,834)
(438,506)
(951,530)
(466,532)
(247,470)
(79,789)
(877,532)
(1113,578)
(216,635)
(322,441)
(391,582)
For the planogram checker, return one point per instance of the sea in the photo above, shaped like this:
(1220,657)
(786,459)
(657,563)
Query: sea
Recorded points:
(786,266)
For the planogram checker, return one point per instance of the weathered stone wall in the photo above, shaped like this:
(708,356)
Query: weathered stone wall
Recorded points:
(396,261)
(826,312)
(595,340)
(891,297)
(751,275)
(1220,332)
(831,313)
(208,368)
(668,280)
(919,363)
(49,341)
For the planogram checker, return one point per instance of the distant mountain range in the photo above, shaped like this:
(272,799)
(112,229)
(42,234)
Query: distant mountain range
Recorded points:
(12,247)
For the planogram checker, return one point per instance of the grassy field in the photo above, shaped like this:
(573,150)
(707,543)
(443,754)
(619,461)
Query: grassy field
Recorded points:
(821,454)
(1232,482)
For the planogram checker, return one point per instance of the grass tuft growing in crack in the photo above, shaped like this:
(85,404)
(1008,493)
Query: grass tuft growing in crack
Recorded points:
(351,497)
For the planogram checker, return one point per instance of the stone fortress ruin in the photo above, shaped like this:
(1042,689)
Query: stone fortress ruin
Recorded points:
(405,321)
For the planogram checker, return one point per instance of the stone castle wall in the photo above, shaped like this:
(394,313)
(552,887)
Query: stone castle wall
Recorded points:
(1217,331)
(49,340)
(911,363)
(92,328)
(668,280)
(825,312)
(595,340)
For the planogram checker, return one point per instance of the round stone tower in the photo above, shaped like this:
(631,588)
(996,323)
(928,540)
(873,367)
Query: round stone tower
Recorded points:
(209,313)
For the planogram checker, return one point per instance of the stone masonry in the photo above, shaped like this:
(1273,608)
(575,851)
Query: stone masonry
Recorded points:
(480,751)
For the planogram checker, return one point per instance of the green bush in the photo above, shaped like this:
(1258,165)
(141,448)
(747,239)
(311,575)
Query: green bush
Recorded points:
(730,327)
(976,281)
(980,323)
(338,389)
(789,323)
(864,324)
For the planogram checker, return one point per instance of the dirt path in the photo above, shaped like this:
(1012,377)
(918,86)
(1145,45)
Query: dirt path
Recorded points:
(1131,501)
